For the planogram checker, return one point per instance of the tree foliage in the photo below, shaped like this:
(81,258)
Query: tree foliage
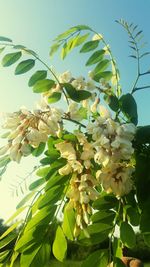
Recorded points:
(95,174)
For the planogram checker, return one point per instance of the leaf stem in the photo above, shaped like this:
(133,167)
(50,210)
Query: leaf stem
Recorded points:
(74,121)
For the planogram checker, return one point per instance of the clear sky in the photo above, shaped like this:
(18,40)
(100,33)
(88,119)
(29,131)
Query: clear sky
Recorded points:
(35,23)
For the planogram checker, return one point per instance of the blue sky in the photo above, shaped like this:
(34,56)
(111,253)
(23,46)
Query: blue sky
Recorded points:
(35,23)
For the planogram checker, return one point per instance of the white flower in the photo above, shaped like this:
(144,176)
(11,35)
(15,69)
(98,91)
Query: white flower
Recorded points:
(15,153)
(4,149)
(97,36)
(90,85)
(66,150)
(65,77)
(79,83)
(94,105)
(25,149)
(74,112)
(76,166)
(35,137)
(105,113)
(65,170)
(127,130)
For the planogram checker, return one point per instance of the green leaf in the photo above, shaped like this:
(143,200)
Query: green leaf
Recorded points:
(98,228)
(36,184)
(76,95)
(81,27)
(101,66)
(54,97)
(118,262)
(144,222)
(89,46)
(143,135)
(69,223)
(43,256)
(64,51)
(10,59)
(38,75)
(5,39)
(18,211)
(2,49)
(51,196)
(78,40)
(4,255)
(112,101)
(129,107)
(24,66)
(42,172)
(98,258)
(127,235)
(59,245)
(56,179)
(105,202)
(34,236)
(10,229)
(25,199)
(133,216)
(4,161)
(54,48)
(106,75)
(94,238)
(28,256)
(103,216)
(43,216)
(65,34)
(39,150)
(147,239)
(8,239)
(117,247)
(96,57)
(43,86)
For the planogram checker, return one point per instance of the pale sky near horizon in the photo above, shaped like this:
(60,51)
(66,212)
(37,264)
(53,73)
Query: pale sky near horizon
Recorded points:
(35,23)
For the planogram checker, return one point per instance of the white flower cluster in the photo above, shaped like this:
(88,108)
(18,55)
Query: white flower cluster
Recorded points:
(113,150)
(28,129)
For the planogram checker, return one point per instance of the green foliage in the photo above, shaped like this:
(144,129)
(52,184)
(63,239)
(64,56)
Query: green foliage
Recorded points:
(43,85)
(38,75)
(76,95)
(127,235)
(90,215)
(129,108)
(10,59)
(24,66)
(60,245)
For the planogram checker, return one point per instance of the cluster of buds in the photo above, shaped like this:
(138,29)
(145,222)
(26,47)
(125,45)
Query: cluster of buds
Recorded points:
(113,151)
(81,192)
(28,129)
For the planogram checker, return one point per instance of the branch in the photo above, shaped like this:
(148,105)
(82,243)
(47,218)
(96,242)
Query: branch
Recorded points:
(140,88)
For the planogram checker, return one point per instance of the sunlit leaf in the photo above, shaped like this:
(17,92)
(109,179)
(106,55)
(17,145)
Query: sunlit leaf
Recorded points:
(5,39)
(38,75)
(10,59)
(89,46)
(10,229)
(43,85)
(96,57)
(76,95)
(54,97)
(24,66)
(59,245)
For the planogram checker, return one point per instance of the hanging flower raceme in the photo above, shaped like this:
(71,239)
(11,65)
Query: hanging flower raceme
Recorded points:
(112,142)
(28,129)
(82,184)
